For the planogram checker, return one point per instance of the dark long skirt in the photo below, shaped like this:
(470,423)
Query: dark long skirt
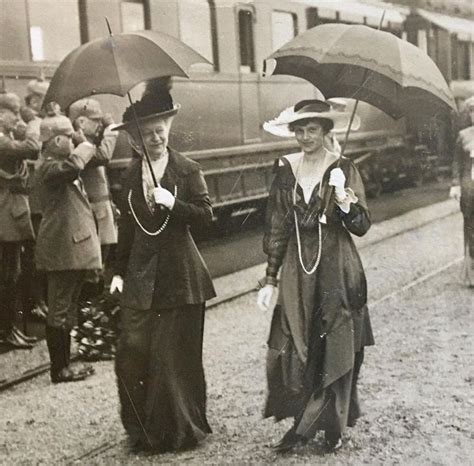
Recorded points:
(468,269)
(160,377)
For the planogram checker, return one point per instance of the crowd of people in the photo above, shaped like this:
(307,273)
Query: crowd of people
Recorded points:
(57,227)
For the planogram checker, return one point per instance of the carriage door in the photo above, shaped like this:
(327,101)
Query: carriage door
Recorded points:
(248,79)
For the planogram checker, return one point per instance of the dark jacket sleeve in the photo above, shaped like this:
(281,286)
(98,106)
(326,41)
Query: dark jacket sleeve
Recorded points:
(125,225)
(279,225)
(357,220)
(126,233)
(26,149)
(196,210)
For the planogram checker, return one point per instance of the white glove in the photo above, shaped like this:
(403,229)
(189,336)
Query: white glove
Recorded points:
(264,297)
(338,180)
(116,284)
(163,197)
(455,192)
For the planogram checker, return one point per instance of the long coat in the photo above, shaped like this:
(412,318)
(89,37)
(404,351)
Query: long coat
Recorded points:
(331,302)
(166,269)
(97,188)
(67,236)
(15,223)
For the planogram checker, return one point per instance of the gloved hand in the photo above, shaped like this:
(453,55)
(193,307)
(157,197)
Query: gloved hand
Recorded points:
(163,197)
(455,192)
(264,297)
(116,284)
(338,180)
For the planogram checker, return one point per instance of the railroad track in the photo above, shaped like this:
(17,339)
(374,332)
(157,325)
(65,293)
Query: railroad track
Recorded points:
(43,368)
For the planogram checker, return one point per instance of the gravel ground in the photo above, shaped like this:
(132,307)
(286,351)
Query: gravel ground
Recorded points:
(416,383)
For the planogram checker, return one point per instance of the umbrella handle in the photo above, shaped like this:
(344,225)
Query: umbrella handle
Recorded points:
(329,207)
(147,155)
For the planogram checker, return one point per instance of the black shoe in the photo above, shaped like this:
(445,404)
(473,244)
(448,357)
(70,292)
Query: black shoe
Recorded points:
(332,442)
(24,337)
(290,441)
(68,375)
(14,341)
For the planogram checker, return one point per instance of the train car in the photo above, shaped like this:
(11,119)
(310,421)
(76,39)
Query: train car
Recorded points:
(223,105)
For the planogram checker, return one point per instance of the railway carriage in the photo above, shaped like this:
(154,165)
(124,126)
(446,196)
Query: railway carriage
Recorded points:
(224,105)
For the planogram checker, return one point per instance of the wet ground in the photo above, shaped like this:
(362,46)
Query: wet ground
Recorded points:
(416,383)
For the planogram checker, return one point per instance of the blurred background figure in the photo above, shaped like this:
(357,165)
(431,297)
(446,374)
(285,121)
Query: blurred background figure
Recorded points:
(463,184)
(15,220)
(33,283)
(67,245)
(87,117)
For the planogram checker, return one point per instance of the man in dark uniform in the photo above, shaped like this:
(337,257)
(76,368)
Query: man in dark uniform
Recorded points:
(67,245)
(15,222)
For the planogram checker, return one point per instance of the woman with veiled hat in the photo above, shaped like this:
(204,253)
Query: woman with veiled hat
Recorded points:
(320,323)
(164,284)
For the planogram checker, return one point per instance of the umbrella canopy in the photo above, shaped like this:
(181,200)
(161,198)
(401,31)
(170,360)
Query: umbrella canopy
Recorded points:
(363,63)
(115,64)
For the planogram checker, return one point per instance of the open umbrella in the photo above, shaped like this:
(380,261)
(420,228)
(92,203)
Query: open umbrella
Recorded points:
(363,63)
(115,64)
(366,64)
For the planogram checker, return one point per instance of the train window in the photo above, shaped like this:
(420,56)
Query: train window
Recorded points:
(133,15)
(284,28)
(460,59)
(246,41)
(52,37)
(196,26)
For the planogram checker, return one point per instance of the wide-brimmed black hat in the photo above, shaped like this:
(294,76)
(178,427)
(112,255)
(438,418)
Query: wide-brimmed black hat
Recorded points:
(152,105)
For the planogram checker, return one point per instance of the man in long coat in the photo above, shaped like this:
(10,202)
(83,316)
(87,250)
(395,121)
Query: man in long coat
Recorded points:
(15,222)
(67,245)
(87,115)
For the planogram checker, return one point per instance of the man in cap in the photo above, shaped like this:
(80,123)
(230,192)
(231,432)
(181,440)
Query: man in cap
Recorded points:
(15,222)
(32,282)
(67,245)
(87,116)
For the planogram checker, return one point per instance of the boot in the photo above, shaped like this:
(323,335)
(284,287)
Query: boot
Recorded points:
(60,371)
(24,337)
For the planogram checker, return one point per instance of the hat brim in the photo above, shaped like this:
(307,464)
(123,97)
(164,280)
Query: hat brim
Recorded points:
(280,125)
(132,124)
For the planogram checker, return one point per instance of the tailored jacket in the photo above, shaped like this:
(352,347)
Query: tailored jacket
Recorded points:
(67,237)
(164,270)
(15,222)
(97,188)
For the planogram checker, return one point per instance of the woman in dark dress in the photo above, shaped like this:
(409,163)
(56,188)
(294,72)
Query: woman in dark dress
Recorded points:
(320,324)
(164,284)
(463,185)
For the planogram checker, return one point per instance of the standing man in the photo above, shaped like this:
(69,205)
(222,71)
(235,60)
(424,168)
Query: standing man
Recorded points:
(32,282)
(67,245)
(15,221)
(86,115)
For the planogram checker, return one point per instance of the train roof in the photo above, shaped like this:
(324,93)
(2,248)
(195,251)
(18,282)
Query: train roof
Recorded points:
(463,27)
(353,11)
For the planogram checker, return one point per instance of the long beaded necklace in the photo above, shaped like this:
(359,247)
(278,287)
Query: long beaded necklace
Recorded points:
(163,225)
(298,237)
